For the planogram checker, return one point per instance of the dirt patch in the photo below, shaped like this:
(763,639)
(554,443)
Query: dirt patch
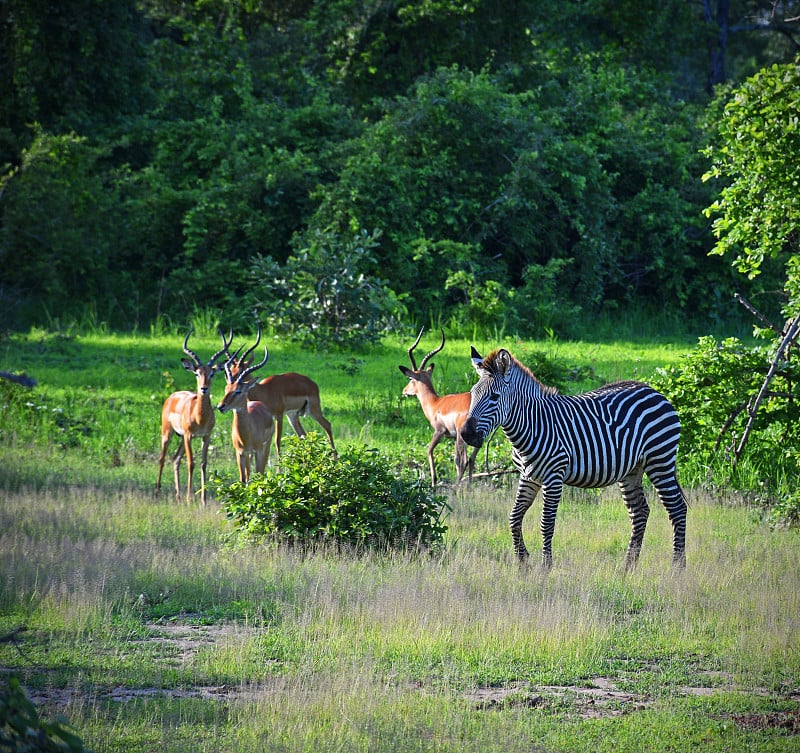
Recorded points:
(788,721)
(600,698)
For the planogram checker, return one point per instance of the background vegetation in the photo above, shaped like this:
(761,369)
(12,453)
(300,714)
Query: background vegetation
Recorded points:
(513,167)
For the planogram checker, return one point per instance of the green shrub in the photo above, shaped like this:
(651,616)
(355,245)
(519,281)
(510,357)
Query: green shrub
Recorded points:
(22,731)
(355,500)
(712,388)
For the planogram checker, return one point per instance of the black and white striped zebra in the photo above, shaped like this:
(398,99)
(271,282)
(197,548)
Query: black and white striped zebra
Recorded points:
(616,433)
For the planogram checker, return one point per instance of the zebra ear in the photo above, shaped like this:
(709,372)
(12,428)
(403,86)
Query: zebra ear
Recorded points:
(477,358)
(504,362)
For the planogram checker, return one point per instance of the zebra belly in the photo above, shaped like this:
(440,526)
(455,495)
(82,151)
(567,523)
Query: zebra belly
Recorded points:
(574,473)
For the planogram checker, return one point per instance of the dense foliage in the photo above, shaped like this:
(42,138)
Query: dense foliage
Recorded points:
(357,500)
(758,212)
(22,730)
(714,389)
(518,166)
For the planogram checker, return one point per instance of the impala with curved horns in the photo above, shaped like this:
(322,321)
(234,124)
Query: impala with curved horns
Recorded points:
(446,413)
(189,415)
(291,395)
(253,426)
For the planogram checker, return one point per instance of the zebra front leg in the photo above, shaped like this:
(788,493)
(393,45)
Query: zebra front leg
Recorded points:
(551,496)
(526,493)
(638,512)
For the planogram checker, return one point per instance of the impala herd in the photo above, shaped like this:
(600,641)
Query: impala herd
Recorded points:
(259,406)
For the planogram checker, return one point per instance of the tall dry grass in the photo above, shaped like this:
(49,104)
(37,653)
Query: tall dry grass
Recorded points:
(385,651)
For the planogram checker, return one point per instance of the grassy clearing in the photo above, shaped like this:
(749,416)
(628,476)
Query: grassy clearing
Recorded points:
(150,633)
(101,394)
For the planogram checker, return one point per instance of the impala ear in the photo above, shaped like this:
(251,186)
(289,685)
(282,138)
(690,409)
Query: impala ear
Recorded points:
(188,365)
(477,358)
(406,371)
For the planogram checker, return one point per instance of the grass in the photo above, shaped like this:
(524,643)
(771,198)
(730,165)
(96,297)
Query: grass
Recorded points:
(150,633)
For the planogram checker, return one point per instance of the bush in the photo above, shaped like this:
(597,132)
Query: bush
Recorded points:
(324,295)
(712,388)
(22,731)
(355,500)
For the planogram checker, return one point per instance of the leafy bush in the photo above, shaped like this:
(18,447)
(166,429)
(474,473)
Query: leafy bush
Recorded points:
(325,294)
(356,499)
(22,731)
(712,388)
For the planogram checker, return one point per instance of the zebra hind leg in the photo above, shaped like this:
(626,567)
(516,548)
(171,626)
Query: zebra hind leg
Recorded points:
(638,512)
(674,500)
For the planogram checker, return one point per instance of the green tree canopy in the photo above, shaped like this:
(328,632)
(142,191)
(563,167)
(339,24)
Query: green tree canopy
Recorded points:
(757,216)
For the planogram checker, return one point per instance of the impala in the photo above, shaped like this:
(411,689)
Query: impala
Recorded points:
(189,415)
(446,414)
(253,427)
(291,395)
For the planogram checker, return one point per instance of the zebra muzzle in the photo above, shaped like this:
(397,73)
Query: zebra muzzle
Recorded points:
(469,433)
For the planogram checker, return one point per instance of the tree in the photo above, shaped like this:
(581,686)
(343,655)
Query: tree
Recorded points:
(756,17)
(757,214)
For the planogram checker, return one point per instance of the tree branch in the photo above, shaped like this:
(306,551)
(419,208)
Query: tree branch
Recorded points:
(788,339)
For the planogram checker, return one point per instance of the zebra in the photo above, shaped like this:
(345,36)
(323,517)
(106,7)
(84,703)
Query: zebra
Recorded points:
(615,433)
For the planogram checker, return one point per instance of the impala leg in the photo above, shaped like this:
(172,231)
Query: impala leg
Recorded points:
(268,443)
(203,464)
(526,493)
(164,445)
(278,432)
(326,425)
(437,437)
(241,462)
(471,464)
(294,420)
(176,466)
(460,458)
(187,443)
(638,512)
(261,459)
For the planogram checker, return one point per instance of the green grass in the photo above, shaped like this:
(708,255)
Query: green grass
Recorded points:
(101,394)
(149,632)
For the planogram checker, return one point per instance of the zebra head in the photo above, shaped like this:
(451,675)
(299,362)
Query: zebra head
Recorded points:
(489,397)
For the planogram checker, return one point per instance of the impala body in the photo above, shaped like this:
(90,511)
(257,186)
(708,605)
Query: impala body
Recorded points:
(291,395)
(253,426)
(189,415)
(446,413)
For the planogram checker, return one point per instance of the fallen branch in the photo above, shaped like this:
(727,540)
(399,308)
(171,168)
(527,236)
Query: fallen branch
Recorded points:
(12,637)
(500,472)
(22,379)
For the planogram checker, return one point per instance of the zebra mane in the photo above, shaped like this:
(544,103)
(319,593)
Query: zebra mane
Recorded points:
(491,363)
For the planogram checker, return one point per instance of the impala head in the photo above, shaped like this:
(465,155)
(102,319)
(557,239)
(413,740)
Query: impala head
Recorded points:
(203,371)
(419,374)
(236,363)
(490,395)
(238,384)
